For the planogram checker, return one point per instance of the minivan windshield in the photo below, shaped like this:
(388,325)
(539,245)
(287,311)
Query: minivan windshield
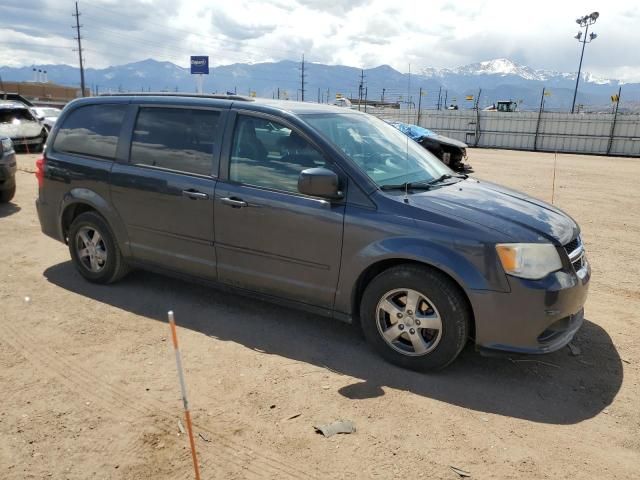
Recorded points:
(385,154)
(15,115)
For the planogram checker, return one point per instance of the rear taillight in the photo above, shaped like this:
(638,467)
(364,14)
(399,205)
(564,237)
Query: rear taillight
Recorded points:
(40,164)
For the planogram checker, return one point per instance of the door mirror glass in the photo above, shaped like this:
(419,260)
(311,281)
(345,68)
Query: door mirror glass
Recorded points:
(319,182)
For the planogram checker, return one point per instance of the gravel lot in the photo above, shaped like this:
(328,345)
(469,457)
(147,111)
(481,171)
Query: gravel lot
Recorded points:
(89,388)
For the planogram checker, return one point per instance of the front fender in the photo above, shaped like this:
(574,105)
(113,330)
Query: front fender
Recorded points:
(85,196)
(467,257)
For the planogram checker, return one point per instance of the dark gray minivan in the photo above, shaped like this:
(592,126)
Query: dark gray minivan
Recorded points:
(319,207)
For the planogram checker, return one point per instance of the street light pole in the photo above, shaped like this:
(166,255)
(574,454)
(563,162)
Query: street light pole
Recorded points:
(584,22)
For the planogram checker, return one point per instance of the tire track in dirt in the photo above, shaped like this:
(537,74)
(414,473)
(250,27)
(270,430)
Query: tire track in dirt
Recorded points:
(71,376)
(79,379)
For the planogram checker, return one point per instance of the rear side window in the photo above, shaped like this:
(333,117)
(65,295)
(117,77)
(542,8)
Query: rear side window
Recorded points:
(180,139)
(92,130)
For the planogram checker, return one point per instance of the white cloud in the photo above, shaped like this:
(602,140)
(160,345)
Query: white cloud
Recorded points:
(361,33)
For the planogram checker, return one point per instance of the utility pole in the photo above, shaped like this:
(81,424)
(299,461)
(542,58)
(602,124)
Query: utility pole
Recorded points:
(419,105)
(318,94)
(302,79)
(366,89)
(409,89)
(79,38)
(439,96)
(278,93)
(382,97)
(327,96)
(360,88)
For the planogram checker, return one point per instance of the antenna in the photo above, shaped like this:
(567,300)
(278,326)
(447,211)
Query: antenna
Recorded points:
(79,38)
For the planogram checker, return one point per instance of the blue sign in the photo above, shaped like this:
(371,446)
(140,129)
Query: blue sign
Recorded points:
(200,65)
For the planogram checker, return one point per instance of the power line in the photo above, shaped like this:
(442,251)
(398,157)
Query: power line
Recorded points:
(79,38)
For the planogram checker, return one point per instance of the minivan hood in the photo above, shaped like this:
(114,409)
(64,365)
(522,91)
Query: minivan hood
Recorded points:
(446,140)
(513,213)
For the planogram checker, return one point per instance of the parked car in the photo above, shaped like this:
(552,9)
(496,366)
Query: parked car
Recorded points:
(46,115)
(314,206)
(7,170)
(452,152)
(18,123)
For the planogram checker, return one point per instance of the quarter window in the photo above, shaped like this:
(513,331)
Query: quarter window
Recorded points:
(268,154)
(92,130)
(179,139)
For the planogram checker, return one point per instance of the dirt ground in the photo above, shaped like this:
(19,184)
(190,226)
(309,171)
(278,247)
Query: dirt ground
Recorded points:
(89,386)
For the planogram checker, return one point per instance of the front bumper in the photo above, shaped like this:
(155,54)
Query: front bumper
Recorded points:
(537,316)
(22,141)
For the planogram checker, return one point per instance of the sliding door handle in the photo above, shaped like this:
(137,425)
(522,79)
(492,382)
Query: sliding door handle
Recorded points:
(195,195)
(234,202)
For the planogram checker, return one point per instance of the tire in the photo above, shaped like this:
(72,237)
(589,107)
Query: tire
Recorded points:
(7,195)
(98,260)
(438,303)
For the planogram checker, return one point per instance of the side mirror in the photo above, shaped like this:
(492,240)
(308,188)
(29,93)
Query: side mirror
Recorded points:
(319,182)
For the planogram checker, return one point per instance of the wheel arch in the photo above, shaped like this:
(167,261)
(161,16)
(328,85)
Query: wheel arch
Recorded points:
(81,200)
(71,212)
(380,266)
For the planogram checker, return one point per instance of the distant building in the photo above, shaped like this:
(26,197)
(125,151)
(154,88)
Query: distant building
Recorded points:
(41,93)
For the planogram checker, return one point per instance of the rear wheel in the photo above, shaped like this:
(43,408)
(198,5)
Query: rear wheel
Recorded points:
(94,250)
(415,317)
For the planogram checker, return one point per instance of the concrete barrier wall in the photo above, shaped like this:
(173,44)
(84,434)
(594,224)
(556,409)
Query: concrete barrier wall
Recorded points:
(561,132)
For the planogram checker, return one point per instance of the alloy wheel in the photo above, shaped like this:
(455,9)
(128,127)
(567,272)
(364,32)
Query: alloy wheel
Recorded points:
(409,322)
(91,249)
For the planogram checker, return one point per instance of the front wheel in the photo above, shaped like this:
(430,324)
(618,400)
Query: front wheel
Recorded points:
(415,317)
(8,194)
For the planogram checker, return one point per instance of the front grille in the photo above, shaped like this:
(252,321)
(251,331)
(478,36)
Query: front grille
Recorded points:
(577,265)
(572,245)
(575,251)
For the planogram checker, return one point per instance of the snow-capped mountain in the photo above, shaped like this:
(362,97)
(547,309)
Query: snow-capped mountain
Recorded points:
(503,67)
(499,79)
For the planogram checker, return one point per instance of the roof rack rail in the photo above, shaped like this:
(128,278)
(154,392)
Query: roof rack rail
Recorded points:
(241,98)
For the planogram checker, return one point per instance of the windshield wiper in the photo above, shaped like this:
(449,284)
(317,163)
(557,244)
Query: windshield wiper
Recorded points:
(422,185)
(407,186)
(444,177)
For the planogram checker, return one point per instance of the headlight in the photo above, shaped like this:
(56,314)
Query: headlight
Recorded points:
(529,260)
(6,145)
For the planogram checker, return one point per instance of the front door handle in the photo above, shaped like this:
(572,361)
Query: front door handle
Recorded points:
(195,195)
(234,202)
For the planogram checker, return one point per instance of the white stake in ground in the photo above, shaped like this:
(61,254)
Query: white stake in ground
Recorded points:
(183,389)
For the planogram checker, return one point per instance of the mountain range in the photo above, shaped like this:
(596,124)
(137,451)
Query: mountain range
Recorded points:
(498,79)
